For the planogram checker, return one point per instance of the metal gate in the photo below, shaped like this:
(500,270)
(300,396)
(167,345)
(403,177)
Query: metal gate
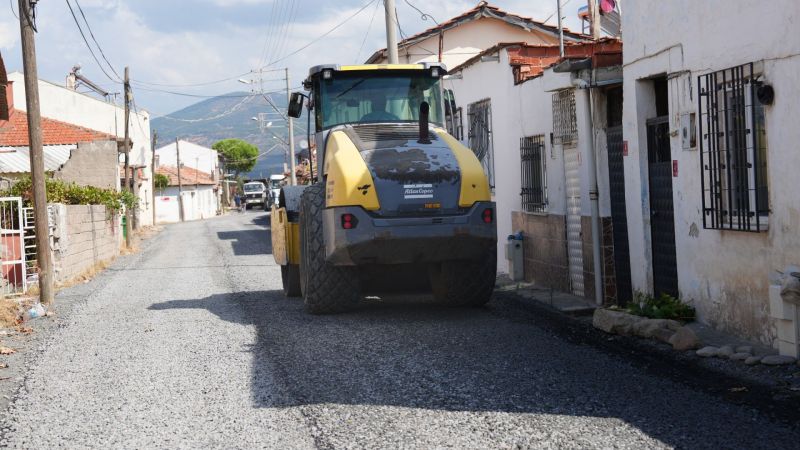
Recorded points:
(572,163)
(662,214)
(480,135)
(13,270)
(619,221)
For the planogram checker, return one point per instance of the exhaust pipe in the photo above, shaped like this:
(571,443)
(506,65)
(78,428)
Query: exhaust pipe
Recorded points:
(424,111)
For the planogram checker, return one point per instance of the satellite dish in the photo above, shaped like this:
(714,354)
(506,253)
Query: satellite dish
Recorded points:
(304,144)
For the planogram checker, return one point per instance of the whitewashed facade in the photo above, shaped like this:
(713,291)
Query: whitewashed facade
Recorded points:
(722,272)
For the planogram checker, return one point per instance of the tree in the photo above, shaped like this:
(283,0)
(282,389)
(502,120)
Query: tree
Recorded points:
(161,181)
(240,156)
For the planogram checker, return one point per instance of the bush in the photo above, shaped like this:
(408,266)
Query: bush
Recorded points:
(72,194)
(161,181)
(663,307)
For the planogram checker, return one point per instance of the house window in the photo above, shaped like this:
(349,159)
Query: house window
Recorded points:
(733,151)
(480,135)
(534,175)
(565,123)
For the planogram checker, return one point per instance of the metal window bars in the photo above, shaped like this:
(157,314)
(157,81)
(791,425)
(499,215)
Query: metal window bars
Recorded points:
(565,122)
(534,175)
(733,151)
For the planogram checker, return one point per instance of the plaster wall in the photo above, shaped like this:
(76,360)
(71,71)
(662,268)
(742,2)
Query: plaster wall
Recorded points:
(723,273)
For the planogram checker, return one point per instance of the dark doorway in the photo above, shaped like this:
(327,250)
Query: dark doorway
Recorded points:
(662,215)
(616,177)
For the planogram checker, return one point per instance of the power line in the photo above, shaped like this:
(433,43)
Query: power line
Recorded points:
(11,4)
(423,15)
(324,35)
(287,31)
(369,28)
(89,47)
(88,27)
(270,32)
(556,11)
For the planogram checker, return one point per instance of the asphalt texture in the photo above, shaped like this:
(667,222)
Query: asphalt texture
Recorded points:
(191,344)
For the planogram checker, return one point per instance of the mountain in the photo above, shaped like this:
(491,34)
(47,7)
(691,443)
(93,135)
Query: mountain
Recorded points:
(231,116)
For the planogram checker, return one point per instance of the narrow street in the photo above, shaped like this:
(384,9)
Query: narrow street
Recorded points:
(190,343)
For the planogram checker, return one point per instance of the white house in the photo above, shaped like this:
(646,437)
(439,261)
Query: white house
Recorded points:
(192,155)
(710,123)
(198,192)
(464,36)
(535,133)
(60,103)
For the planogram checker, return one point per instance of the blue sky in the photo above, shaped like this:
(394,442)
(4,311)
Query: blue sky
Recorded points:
(183,42)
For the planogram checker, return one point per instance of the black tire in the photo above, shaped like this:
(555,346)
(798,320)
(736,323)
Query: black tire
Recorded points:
(290,277)
(463,283)
(326,288)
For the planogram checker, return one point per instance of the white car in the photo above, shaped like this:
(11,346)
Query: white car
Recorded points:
(255,193)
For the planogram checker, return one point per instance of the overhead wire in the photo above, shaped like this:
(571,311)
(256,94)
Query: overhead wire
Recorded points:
(325,34)
(288,30)
(89,47)
(268,34)
(556,11)
(91,33)
(11,4)
(230,111)
(369,28)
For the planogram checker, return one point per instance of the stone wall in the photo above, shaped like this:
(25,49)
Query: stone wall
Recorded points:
(84,236)
(92,164)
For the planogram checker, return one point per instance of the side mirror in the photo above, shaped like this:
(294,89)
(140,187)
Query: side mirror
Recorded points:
(296,105)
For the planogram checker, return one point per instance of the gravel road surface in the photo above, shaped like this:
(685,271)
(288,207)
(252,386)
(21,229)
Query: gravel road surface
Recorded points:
(190,344)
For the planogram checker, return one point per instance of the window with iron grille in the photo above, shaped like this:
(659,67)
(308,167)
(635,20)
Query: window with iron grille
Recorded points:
(480,135)
(733,151)
(534,175)
(565,123)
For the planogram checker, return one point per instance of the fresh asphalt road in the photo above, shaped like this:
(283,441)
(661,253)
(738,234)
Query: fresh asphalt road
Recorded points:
(191,344)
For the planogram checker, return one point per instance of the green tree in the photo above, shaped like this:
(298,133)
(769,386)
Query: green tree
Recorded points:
(240,156)
(161,181)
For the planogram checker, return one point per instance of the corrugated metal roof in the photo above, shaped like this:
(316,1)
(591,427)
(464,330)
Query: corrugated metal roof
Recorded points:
(18,159)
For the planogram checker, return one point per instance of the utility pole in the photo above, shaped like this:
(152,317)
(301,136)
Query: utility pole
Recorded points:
(42,223)
(291,133)
(560,30)
(180,180)
(127,149)
(391,31)
(153,172)
(594,9)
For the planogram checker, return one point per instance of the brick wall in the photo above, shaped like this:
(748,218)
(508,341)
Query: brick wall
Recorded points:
(84,235)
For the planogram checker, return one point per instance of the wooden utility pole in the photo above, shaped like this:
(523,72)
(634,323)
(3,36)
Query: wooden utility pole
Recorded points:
(153,172)
(180,180)
(127,149)
(290,121)
(560,30)
(594,10)
(42,223)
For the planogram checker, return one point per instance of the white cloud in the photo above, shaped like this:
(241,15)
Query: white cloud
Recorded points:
(9,34)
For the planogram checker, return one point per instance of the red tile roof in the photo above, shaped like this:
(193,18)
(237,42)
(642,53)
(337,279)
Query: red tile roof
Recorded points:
(530,61)
(482,9)
(189,176)
(14,132)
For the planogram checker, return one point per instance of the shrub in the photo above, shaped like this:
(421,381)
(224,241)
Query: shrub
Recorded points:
(71,194)
(662,307)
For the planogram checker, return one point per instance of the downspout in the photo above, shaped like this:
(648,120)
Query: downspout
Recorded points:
(594,197)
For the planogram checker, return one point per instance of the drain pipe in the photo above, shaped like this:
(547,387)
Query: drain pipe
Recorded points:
(594,196)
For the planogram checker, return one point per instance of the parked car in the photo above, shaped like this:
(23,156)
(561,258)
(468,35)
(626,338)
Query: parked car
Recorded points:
(255,193)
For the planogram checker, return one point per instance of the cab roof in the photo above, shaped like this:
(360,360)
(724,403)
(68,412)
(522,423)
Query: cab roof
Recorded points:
(367,67)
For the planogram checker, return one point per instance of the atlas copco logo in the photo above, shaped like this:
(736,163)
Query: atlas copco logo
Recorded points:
(417,191)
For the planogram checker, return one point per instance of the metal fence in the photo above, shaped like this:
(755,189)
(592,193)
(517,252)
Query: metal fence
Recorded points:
(534,175)
(13,268)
